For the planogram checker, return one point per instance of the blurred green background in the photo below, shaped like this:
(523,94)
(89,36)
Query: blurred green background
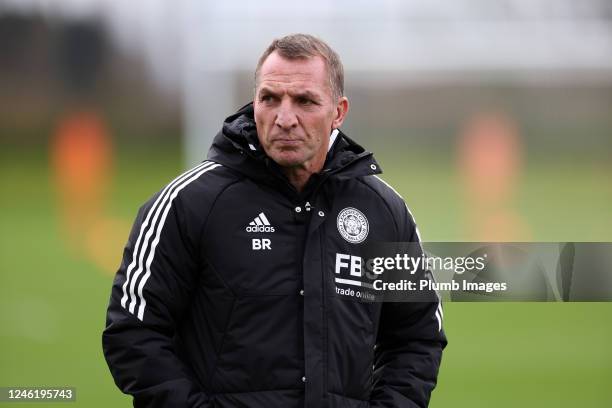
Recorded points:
(68,198)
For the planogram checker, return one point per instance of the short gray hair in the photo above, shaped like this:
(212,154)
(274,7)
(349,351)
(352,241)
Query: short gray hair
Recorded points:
(302,46)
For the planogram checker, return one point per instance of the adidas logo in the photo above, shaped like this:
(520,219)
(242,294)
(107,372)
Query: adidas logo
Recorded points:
(260,224)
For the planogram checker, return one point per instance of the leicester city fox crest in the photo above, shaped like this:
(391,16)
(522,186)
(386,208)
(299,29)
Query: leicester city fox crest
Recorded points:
(352,225)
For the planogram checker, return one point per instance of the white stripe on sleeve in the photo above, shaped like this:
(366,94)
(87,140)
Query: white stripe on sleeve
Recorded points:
(160,226)
(144,228)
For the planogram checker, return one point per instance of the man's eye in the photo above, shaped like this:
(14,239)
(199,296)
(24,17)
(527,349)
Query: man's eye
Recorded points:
(305,101)
(265,98)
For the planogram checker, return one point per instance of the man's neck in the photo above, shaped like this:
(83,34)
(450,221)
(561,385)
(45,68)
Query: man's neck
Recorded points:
(298,177)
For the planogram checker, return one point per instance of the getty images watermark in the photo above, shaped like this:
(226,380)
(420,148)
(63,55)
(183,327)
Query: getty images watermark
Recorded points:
(471,271)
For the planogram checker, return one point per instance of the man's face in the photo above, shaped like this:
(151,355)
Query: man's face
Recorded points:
(295,111)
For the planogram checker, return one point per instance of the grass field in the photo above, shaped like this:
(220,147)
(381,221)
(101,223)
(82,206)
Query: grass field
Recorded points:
(52,302)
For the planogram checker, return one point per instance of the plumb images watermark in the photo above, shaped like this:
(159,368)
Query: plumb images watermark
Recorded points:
(38,394)
(403,262)
(429,285)
(411,264)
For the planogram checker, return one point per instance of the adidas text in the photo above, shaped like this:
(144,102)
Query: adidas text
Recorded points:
(259,228)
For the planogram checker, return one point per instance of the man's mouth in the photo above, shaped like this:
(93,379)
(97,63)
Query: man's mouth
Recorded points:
(286,141)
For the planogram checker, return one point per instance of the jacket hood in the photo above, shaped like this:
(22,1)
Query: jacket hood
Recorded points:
(237,146)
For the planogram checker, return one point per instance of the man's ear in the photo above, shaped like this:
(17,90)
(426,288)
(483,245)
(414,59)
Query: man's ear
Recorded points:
(341,110)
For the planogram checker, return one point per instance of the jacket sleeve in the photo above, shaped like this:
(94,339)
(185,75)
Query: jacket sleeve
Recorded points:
(409,346)
(150,292)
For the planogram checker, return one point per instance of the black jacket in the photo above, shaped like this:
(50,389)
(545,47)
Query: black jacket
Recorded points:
(227,293)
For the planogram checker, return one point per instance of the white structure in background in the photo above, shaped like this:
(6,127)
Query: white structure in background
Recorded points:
(198,45)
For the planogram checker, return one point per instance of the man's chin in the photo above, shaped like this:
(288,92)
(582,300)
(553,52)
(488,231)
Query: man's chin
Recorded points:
(288,162)
(287,159)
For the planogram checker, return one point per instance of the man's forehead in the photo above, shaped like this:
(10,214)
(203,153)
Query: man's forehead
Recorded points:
(277,70)
(306,64)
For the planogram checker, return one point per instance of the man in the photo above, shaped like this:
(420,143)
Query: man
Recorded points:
(227,297)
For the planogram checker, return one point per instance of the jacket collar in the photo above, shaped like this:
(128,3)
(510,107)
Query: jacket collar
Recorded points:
(237,146)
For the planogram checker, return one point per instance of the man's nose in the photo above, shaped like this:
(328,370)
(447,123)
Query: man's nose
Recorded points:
(285,117)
